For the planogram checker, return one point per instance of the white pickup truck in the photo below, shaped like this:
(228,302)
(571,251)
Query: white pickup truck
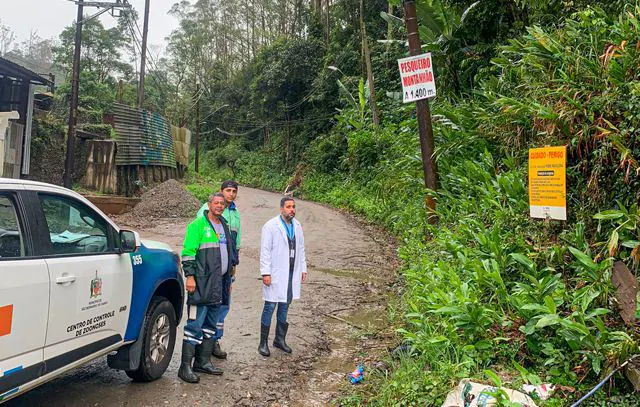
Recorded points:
(74,287)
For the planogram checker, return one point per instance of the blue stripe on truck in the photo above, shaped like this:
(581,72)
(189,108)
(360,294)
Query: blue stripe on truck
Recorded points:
(157,266)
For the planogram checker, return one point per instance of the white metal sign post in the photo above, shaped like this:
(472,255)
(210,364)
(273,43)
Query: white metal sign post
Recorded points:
(418,82)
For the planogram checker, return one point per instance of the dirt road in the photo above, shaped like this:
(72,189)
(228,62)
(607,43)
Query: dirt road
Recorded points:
(349,269)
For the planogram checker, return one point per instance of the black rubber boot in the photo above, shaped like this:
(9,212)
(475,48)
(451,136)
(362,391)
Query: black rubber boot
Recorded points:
(185,372)
(264,340)
(281,334)
(217,351)
(202,363)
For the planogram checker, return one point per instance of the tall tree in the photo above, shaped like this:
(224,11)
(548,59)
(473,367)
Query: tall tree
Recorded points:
(367,58)
(7,38)
(101,50)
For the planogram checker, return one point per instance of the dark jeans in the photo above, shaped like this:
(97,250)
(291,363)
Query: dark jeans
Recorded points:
(203,326)
(269,307)
(222,314)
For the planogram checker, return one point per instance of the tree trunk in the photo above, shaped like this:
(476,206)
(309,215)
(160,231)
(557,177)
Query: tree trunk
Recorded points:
(389,28)
(288,143)
(264,27)
(367,59)
(253,29)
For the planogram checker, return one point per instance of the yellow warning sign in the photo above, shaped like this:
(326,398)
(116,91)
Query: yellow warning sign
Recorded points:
(548,183)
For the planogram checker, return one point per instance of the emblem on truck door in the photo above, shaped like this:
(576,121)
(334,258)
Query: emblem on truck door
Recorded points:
(96,286)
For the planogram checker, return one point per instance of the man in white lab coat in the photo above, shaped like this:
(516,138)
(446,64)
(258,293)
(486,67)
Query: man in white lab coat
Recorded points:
(284,268)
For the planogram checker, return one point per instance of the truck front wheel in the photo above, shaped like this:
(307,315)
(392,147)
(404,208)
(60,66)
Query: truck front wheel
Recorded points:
(159,341)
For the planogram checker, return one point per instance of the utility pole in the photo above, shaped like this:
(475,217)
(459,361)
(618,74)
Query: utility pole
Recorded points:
(196,135)
(75,77)
(143,57)
(425,127)
(73,105)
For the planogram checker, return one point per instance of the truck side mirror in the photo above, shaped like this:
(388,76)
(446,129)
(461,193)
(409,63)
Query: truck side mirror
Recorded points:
(129,241)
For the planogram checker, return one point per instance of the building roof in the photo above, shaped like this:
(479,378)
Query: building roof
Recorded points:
(13,70)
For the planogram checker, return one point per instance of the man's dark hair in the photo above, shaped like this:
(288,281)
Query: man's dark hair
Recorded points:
(229,184)
(285,200)
(217,194)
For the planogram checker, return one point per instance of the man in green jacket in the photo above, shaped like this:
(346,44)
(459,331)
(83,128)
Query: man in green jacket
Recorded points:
(229,190)
(207,261)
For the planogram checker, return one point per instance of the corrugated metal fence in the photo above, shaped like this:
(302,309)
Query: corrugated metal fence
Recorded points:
(143,138)
(149,149)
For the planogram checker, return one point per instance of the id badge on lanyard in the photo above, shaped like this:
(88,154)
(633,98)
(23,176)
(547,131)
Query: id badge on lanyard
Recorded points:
(292,253)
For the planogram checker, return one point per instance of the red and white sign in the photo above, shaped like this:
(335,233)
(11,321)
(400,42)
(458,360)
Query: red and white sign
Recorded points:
(418,82)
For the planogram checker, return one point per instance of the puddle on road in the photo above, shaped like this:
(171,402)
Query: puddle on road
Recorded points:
(368,319)
(343,273)
(330,372)
(358,275)
(324,380)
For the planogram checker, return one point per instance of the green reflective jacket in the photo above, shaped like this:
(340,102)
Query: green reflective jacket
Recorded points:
(201,259)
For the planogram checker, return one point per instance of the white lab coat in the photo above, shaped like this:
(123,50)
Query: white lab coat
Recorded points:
(274,260)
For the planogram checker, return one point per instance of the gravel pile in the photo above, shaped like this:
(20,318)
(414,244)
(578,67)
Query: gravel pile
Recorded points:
(167,200)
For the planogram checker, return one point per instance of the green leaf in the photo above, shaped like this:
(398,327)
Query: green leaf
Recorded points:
(598,312)
(630,244)
(551,305)
(391,19)
(610,214)
(528,329)
(548,320)
(519,368)
(361,96)
(438,339)
(494,377)
(522,259)
(483,345)
(583,258)
(577,327)
(535,307)
(347,93)
(446,310)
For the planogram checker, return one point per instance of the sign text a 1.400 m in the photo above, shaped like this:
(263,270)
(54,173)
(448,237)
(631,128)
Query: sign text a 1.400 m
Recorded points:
(416,73)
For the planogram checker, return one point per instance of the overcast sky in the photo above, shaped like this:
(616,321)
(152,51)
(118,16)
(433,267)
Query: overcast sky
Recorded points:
(49,17)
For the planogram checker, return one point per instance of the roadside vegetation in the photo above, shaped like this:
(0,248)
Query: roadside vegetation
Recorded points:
(489,293)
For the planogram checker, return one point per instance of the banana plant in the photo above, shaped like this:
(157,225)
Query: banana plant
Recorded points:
(625,230)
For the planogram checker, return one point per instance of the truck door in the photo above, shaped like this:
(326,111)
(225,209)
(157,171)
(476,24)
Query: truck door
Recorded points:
(91,281)
(24,300)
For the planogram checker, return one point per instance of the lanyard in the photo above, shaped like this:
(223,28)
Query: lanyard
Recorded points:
(289,229)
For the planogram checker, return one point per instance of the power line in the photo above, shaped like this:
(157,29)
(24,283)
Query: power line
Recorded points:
(270,124)
(150,55)
(138,47)
(278,123)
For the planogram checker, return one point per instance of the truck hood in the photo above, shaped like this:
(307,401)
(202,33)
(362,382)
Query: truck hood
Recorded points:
(152,244)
